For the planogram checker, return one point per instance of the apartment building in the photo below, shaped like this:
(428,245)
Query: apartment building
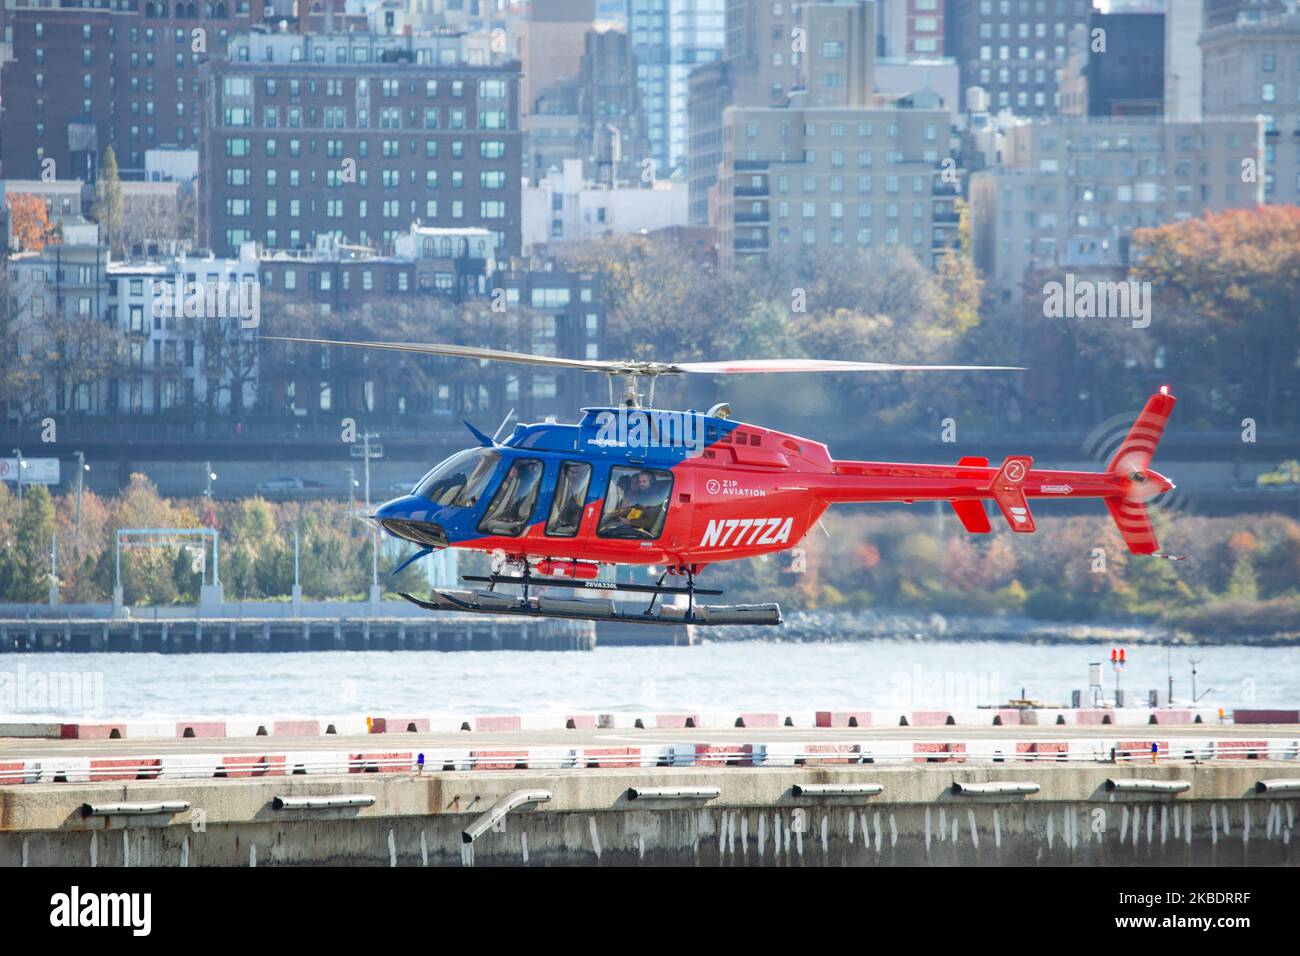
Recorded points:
(357,136)
(1252,68)
(1013,49)
(1069,192)
(87,74)
(799,181)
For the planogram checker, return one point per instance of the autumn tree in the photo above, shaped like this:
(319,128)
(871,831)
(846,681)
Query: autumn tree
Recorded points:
(1226,289)
(29,222)
(108,202)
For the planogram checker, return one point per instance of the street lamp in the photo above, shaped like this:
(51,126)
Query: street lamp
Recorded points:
(374,534)
(18,475)
(211,477)
(82,468)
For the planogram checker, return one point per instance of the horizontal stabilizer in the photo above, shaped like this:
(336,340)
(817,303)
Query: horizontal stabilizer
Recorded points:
(1008,491)
(973,516)
(972,461)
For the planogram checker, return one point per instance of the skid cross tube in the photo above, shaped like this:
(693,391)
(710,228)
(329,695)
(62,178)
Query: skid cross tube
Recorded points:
(581,584)
(498,811)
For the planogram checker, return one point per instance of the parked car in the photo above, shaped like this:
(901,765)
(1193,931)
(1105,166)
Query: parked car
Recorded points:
(1285,475)
(279,486)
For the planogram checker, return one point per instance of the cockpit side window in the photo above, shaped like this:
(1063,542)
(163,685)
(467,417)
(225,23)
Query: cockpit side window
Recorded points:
(570,496)
(636,503)
(461,479)
(513,502)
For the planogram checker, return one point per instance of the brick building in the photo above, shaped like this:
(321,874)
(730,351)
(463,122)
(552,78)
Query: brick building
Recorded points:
(356,136)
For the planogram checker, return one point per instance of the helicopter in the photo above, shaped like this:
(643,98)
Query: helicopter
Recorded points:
(630,484)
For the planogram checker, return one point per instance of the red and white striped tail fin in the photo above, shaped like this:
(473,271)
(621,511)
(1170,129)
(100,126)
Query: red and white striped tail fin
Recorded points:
(1132,464)
(1138,447)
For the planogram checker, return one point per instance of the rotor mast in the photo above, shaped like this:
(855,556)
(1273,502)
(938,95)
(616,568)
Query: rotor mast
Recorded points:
(631,373)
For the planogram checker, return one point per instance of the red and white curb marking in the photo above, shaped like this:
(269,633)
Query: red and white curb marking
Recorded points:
(215,765)
(703,720)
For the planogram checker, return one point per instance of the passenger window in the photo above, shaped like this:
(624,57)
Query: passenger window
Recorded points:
(636,503)
(512,505)
(570,496)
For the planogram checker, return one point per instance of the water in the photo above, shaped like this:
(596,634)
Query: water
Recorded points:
(741,676)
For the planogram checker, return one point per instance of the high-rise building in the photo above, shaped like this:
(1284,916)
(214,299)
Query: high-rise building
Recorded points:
(825,51)
(1183,24)
(595,117)
(1219,12)
(1252,67)
(1070,191)
(908,29)
(671,38)
(1115,66)
(1013,49)
(552,39)
(356,136)
(796,182)
(711,94)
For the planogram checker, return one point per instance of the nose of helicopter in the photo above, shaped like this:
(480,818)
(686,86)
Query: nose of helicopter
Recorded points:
(407,517)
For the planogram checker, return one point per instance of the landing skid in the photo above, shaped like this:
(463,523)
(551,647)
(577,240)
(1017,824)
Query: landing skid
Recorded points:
(594,609)
(588,609)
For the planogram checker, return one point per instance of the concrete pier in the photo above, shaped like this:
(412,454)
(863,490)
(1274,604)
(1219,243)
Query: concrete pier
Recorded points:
(590,820)
(224,634)
(260,806)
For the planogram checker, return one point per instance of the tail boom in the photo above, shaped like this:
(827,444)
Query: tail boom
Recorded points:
(1124,486)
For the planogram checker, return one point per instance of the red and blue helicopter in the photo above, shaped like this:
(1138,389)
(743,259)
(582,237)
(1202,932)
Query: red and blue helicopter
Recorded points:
(633,485)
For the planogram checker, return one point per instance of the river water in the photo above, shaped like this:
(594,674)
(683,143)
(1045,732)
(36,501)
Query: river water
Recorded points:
(753,675)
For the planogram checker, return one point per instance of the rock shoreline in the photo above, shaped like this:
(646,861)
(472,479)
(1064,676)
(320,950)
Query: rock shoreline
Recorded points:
(837,626)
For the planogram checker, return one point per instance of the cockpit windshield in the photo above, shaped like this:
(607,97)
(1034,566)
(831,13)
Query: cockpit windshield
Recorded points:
(461,479)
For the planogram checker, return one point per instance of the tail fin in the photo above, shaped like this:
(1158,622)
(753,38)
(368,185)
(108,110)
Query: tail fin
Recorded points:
(1132,463)
(1135,454)
(1134,525)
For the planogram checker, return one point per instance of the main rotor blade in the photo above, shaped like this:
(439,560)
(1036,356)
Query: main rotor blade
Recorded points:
(648,368)
(744,366)
(466,351)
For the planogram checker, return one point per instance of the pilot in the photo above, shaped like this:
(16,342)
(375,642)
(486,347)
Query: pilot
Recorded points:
(639,502)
